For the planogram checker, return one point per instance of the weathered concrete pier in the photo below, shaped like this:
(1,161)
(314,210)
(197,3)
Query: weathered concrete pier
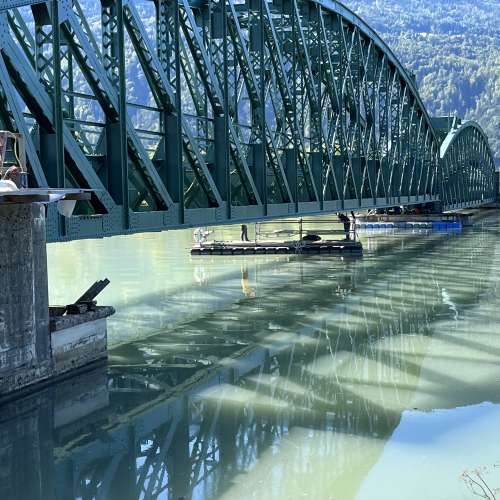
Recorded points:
(35,346)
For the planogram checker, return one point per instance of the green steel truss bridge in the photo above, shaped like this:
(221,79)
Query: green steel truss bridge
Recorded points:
(254,109)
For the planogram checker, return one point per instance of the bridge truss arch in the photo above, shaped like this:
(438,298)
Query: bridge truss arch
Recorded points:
(469,177)
(251,109)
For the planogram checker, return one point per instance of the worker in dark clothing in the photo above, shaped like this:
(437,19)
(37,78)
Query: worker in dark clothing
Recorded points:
(244,233)
(347,225)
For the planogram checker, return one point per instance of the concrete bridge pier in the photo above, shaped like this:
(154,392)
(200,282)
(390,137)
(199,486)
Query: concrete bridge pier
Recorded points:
(37,342)
(25,350)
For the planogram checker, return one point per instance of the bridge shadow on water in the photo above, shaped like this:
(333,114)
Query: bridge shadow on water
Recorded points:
(146,313)
(287,392)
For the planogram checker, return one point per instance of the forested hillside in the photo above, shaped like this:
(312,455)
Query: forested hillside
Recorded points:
(452,47)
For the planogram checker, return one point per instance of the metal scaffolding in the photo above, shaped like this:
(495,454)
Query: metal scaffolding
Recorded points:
(254,110)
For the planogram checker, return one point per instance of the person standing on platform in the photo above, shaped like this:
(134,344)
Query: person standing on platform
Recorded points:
(347,225)
(244,232)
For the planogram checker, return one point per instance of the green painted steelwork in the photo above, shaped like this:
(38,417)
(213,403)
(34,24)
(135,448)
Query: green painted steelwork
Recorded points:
(256,110)
(467,168)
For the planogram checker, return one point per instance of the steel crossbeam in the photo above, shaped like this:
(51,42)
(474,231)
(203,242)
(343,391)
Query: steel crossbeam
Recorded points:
(13,4)
(258,110)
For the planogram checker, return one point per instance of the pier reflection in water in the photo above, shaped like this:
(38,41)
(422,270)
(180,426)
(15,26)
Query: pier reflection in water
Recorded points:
(310,377)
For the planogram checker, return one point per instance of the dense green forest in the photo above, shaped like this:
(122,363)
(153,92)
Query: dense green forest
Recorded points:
(452,47)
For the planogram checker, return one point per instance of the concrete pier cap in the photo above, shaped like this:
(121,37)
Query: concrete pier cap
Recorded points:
(35,347)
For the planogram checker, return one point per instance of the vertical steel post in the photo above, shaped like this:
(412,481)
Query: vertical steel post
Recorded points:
(113,47)
(291,154)
(221,121)
(59,177)
(261,173)
(122,109)
(171,119)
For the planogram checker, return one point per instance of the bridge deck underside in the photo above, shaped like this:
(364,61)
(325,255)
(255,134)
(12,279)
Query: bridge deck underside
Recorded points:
(219,112)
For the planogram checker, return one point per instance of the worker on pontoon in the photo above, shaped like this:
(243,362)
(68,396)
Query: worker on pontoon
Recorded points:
(347,225)
(244,232)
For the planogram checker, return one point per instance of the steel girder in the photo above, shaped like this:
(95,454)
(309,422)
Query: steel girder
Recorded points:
(249,110)
(11,4)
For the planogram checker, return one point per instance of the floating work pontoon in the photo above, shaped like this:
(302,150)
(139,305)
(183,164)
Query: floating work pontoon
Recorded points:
(296,236)
(434,222)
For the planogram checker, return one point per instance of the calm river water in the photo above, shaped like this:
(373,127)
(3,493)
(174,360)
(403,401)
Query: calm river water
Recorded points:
(272,377)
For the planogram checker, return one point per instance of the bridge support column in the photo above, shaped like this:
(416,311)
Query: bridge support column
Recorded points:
(34,345)
(25,353)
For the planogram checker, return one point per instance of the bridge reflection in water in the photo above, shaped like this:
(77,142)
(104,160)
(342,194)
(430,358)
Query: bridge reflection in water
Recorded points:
(293,393)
